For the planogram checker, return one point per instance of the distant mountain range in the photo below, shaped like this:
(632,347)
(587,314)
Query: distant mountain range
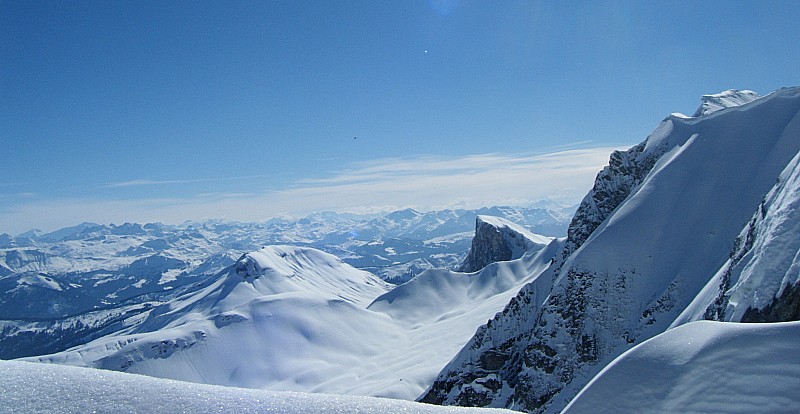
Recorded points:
(60,288)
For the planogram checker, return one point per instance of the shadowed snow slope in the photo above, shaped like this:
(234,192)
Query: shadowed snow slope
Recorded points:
(298,319)
(702,367)
(39,388)
(760,282)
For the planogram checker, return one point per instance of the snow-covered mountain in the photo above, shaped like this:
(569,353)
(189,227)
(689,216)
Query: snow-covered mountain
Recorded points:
(658,225)
(299,319)
(64,288)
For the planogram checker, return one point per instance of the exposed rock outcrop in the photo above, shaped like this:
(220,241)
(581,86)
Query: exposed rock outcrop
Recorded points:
(496,240)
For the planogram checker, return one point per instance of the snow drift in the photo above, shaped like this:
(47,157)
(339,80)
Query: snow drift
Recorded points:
(702,367)
(40,388)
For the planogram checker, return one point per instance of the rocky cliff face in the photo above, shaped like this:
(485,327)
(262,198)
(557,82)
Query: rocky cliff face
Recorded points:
(658,224)
(497,240)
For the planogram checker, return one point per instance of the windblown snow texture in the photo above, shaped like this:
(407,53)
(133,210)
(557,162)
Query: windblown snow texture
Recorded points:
(40,388)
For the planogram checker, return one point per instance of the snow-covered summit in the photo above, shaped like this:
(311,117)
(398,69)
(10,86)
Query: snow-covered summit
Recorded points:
(497,239)
(726,99)
(280,269)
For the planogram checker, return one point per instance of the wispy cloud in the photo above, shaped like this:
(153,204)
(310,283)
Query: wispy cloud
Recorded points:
(138,183)
(429,182)
(146,182)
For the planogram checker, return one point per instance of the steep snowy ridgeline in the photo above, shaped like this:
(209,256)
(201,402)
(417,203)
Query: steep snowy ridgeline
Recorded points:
(291,318)
(761,280)
(659,223)
(38,388)
(702,367)
(497,239)
(627,169)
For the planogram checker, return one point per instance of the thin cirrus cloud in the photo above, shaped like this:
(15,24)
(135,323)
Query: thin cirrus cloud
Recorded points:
(139,183)
(463,182)
(424,183)
(144,182)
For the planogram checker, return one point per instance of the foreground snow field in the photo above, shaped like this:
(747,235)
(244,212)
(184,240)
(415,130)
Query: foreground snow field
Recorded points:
(28,387)
(702,367)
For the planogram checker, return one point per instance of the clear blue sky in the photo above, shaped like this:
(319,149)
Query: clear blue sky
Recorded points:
(138,111)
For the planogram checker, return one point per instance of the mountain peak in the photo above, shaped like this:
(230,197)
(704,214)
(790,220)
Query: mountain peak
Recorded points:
(498,239)
(725,99)
(406,214)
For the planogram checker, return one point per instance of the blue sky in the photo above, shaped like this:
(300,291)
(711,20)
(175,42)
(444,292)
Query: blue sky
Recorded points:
(116,111)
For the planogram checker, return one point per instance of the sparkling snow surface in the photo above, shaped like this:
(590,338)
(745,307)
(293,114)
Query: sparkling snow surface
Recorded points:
(42,388)
(702,367)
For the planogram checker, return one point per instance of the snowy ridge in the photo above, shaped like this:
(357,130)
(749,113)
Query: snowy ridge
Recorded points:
(702,367)
(659,223)
(281,269)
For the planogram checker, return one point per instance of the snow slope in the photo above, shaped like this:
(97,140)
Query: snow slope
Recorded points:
(659,223)
(702,367)
(298,319)
(763,273)
(39,388)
